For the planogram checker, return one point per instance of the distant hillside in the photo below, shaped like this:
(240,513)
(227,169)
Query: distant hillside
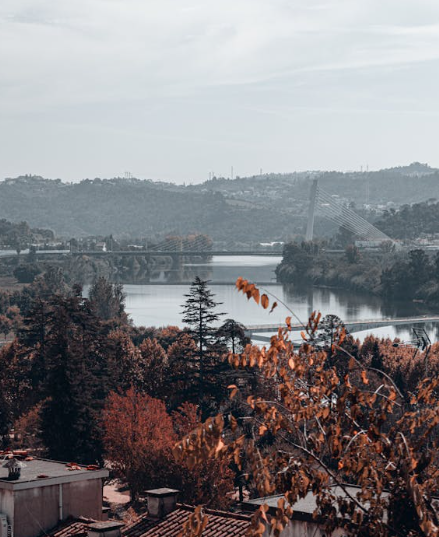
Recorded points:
(133,208)
(260,208)
(411,222)
(400,185)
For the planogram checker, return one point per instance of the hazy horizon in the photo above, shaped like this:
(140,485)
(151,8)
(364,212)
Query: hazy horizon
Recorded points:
(173,90)
(225,176)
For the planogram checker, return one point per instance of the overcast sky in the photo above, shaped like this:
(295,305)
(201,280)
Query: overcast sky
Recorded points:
(175,89)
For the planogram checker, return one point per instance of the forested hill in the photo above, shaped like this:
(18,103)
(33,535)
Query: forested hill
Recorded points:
(411,221)
(260,208)
(134,208)
(400,185)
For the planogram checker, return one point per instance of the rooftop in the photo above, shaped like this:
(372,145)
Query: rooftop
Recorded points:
(72,528)
(35,470)
(220,524)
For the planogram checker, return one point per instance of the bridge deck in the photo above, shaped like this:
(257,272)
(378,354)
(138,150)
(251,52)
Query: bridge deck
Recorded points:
(352,326)
(145,253)
(193,253)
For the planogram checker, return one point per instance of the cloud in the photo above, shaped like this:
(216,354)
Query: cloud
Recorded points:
(121,49)
(114,65)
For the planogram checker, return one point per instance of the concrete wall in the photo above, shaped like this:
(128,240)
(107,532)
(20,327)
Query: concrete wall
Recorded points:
(83,498)
(37,509)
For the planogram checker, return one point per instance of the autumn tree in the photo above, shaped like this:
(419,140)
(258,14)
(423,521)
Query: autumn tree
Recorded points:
(169,335)
(27,431)
(371,353)
(138,435)
(356,429)
(212,482)
(6,398)
(16,381)
(151,368)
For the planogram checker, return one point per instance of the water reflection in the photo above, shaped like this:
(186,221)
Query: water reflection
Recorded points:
(161,304)
(220,269)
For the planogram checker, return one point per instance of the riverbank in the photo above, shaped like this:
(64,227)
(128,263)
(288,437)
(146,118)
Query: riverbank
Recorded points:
(409,276)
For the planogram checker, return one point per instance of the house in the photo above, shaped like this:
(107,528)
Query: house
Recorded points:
(37,494)
(165,517)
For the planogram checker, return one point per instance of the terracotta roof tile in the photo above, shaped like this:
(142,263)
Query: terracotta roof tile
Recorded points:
(220,524)
(72,528)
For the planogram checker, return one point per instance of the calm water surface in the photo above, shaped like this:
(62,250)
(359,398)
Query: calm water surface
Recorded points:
(160,305)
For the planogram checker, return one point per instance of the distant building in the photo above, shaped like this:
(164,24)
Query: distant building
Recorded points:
(37,494)
(165,517)
(372,244)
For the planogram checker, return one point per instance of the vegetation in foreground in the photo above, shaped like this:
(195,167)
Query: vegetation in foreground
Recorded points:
(76,362)
(337,419)
(80,383)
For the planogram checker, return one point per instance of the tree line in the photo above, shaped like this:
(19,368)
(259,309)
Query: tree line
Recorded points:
(412,275)
(80,383)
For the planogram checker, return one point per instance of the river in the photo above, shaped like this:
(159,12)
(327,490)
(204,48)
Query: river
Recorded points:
(160,305)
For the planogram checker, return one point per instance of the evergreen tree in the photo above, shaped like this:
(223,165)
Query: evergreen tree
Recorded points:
(233,333)
(205,362)
(77,381)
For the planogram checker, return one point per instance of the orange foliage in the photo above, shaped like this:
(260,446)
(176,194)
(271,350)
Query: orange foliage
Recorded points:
(350,424)
(139,436)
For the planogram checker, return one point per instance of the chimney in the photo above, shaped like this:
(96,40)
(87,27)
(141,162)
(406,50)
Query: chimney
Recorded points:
(109,528)
(14,467)
(161,502)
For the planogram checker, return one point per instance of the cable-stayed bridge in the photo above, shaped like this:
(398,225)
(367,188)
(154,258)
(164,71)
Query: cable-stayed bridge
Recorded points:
(324,204)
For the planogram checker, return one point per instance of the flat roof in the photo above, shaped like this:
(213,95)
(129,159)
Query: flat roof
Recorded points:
(40,470)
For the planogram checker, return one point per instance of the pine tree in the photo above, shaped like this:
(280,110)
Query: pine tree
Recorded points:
(206,362)
(77,381)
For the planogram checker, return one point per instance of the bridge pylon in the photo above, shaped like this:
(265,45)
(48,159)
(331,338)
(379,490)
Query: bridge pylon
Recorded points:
(309,235)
